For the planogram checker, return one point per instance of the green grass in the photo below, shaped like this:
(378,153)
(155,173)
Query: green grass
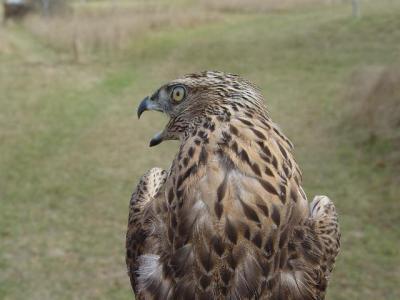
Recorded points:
(72,149)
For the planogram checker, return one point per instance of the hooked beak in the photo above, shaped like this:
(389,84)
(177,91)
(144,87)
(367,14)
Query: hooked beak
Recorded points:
(148,104)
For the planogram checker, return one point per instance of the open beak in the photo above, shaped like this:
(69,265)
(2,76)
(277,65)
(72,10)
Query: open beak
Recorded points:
(148,104)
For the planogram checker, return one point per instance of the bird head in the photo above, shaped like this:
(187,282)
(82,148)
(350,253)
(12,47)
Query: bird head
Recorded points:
(190,99)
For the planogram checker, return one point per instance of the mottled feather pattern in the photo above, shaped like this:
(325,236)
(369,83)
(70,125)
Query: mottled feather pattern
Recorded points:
(230,220)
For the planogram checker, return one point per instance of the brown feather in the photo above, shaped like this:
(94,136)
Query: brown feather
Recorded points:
(230,220)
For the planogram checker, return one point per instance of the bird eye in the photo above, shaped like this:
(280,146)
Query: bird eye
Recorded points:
(178,93)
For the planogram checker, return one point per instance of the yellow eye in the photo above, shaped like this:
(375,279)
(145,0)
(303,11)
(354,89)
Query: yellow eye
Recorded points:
(178,94)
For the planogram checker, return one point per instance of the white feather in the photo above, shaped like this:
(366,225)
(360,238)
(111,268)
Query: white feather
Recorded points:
(149,270)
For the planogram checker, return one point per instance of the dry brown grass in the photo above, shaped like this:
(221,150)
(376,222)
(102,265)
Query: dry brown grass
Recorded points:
(103,27)
(109,29)
(259,5)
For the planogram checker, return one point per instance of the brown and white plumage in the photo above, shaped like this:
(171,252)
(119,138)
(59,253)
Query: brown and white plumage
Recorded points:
(229,220)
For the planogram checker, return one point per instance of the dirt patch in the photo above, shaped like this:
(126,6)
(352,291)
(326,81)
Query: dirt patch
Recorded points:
(374,93)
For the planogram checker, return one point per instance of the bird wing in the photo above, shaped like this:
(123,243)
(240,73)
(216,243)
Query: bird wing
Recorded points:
(291,248)
(311,252)
(141,237)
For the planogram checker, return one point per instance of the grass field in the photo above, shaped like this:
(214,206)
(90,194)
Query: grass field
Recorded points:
(72,148)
